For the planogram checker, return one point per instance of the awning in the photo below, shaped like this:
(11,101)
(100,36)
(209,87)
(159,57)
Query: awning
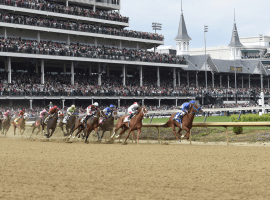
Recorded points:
(251,51)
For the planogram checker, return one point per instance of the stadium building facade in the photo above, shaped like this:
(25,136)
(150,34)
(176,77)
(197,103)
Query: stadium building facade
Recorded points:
(78,38)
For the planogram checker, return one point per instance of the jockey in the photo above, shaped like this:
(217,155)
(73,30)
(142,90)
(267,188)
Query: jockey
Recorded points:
(132,110)
(21,113)
(90,111)
(52,111)
(108,112)
(184,109)
(70,110)
(6,114)
(42,113)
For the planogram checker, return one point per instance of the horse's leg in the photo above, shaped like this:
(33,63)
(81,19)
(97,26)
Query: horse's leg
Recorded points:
(52,131)
(14,129)
(133,133)
(138,135)
(87,134)
(75,128)
(187,130)
(80,130)
(116,129)
(174,132)
(102,134)
(127,135)
(96,130)
(122,132)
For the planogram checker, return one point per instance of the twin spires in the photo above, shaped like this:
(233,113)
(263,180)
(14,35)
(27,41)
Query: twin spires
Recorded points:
(182,40)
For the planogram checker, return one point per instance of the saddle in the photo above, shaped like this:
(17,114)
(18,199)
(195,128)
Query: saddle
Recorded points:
(127,119)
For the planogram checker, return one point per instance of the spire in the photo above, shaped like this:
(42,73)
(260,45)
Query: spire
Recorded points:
(235,42)
(182,30)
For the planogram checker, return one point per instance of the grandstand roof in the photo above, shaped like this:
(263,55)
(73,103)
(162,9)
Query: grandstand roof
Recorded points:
(182,30)
(196,63)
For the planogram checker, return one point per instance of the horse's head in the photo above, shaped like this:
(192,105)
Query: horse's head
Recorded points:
(194,109)
(144,110)
(25,116)
(114,115)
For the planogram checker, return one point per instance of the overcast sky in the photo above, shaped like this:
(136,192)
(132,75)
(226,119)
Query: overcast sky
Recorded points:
(252,18)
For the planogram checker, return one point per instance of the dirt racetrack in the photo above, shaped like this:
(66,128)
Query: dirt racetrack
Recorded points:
(32,169)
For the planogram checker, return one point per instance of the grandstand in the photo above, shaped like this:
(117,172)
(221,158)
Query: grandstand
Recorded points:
(82,51)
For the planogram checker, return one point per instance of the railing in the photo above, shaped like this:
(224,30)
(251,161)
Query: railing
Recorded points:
(89,54)
(215,124)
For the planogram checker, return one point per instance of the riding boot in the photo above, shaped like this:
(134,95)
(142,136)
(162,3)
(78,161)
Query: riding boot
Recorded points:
(130,116)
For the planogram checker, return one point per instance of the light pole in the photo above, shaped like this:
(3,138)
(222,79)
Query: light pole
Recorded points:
(262,94)
(205,31)
(156,26)
(235,83)
(261,38)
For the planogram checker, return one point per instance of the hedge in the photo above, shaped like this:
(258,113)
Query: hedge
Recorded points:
(250,118)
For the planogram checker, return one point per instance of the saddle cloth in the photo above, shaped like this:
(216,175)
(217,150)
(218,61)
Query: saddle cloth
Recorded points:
(176,118)
(126,119)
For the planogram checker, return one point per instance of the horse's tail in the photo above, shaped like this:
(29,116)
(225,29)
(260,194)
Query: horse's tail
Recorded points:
(166,125)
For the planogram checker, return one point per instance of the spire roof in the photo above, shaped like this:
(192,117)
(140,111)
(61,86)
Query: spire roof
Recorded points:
(235,42)
(182,30)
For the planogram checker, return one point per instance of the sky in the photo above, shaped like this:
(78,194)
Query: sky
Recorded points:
(252,18)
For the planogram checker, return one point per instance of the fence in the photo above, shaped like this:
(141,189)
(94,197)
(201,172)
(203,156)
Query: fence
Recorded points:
(215,124)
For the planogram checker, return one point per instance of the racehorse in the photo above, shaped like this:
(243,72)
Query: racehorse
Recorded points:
(37,124)
(92,123)
(187,121)
(51,124)
(6,124)
(108,125)
(134,124)
(20,124)
(70,122)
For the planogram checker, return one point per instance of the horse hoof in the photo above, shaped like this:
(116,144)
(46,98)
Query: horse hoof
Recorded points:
(117,136)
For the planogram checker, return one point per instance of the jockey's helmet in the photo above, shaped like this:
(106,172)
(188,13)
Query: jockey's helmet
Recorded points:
(44,110)
(111,106)
(192,101)
(135,103)
(96,104)
(73,106)
(8,111)
(55,107)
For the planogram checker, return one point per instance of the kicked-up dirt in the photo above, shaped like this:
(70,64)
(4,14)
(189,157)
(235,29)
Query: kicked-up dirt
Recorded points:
(35,169)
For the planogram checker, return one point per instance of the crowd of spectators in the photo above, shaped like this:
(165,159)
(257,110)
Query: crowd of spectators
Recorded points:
(50,6)
(85,85)
(76,26)
(19,45)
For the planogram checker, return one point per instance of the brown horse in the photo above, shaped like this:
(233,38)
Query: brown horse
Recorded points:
(70,122)
(6,125)
(187,121)
(92,123)
(108,125)
(51,124)
(20,124)
(134,124)
(37,125)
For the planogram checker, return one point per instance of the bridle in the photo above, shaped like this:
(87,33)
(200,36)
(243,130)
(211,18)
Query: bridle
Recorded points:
(197,110)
